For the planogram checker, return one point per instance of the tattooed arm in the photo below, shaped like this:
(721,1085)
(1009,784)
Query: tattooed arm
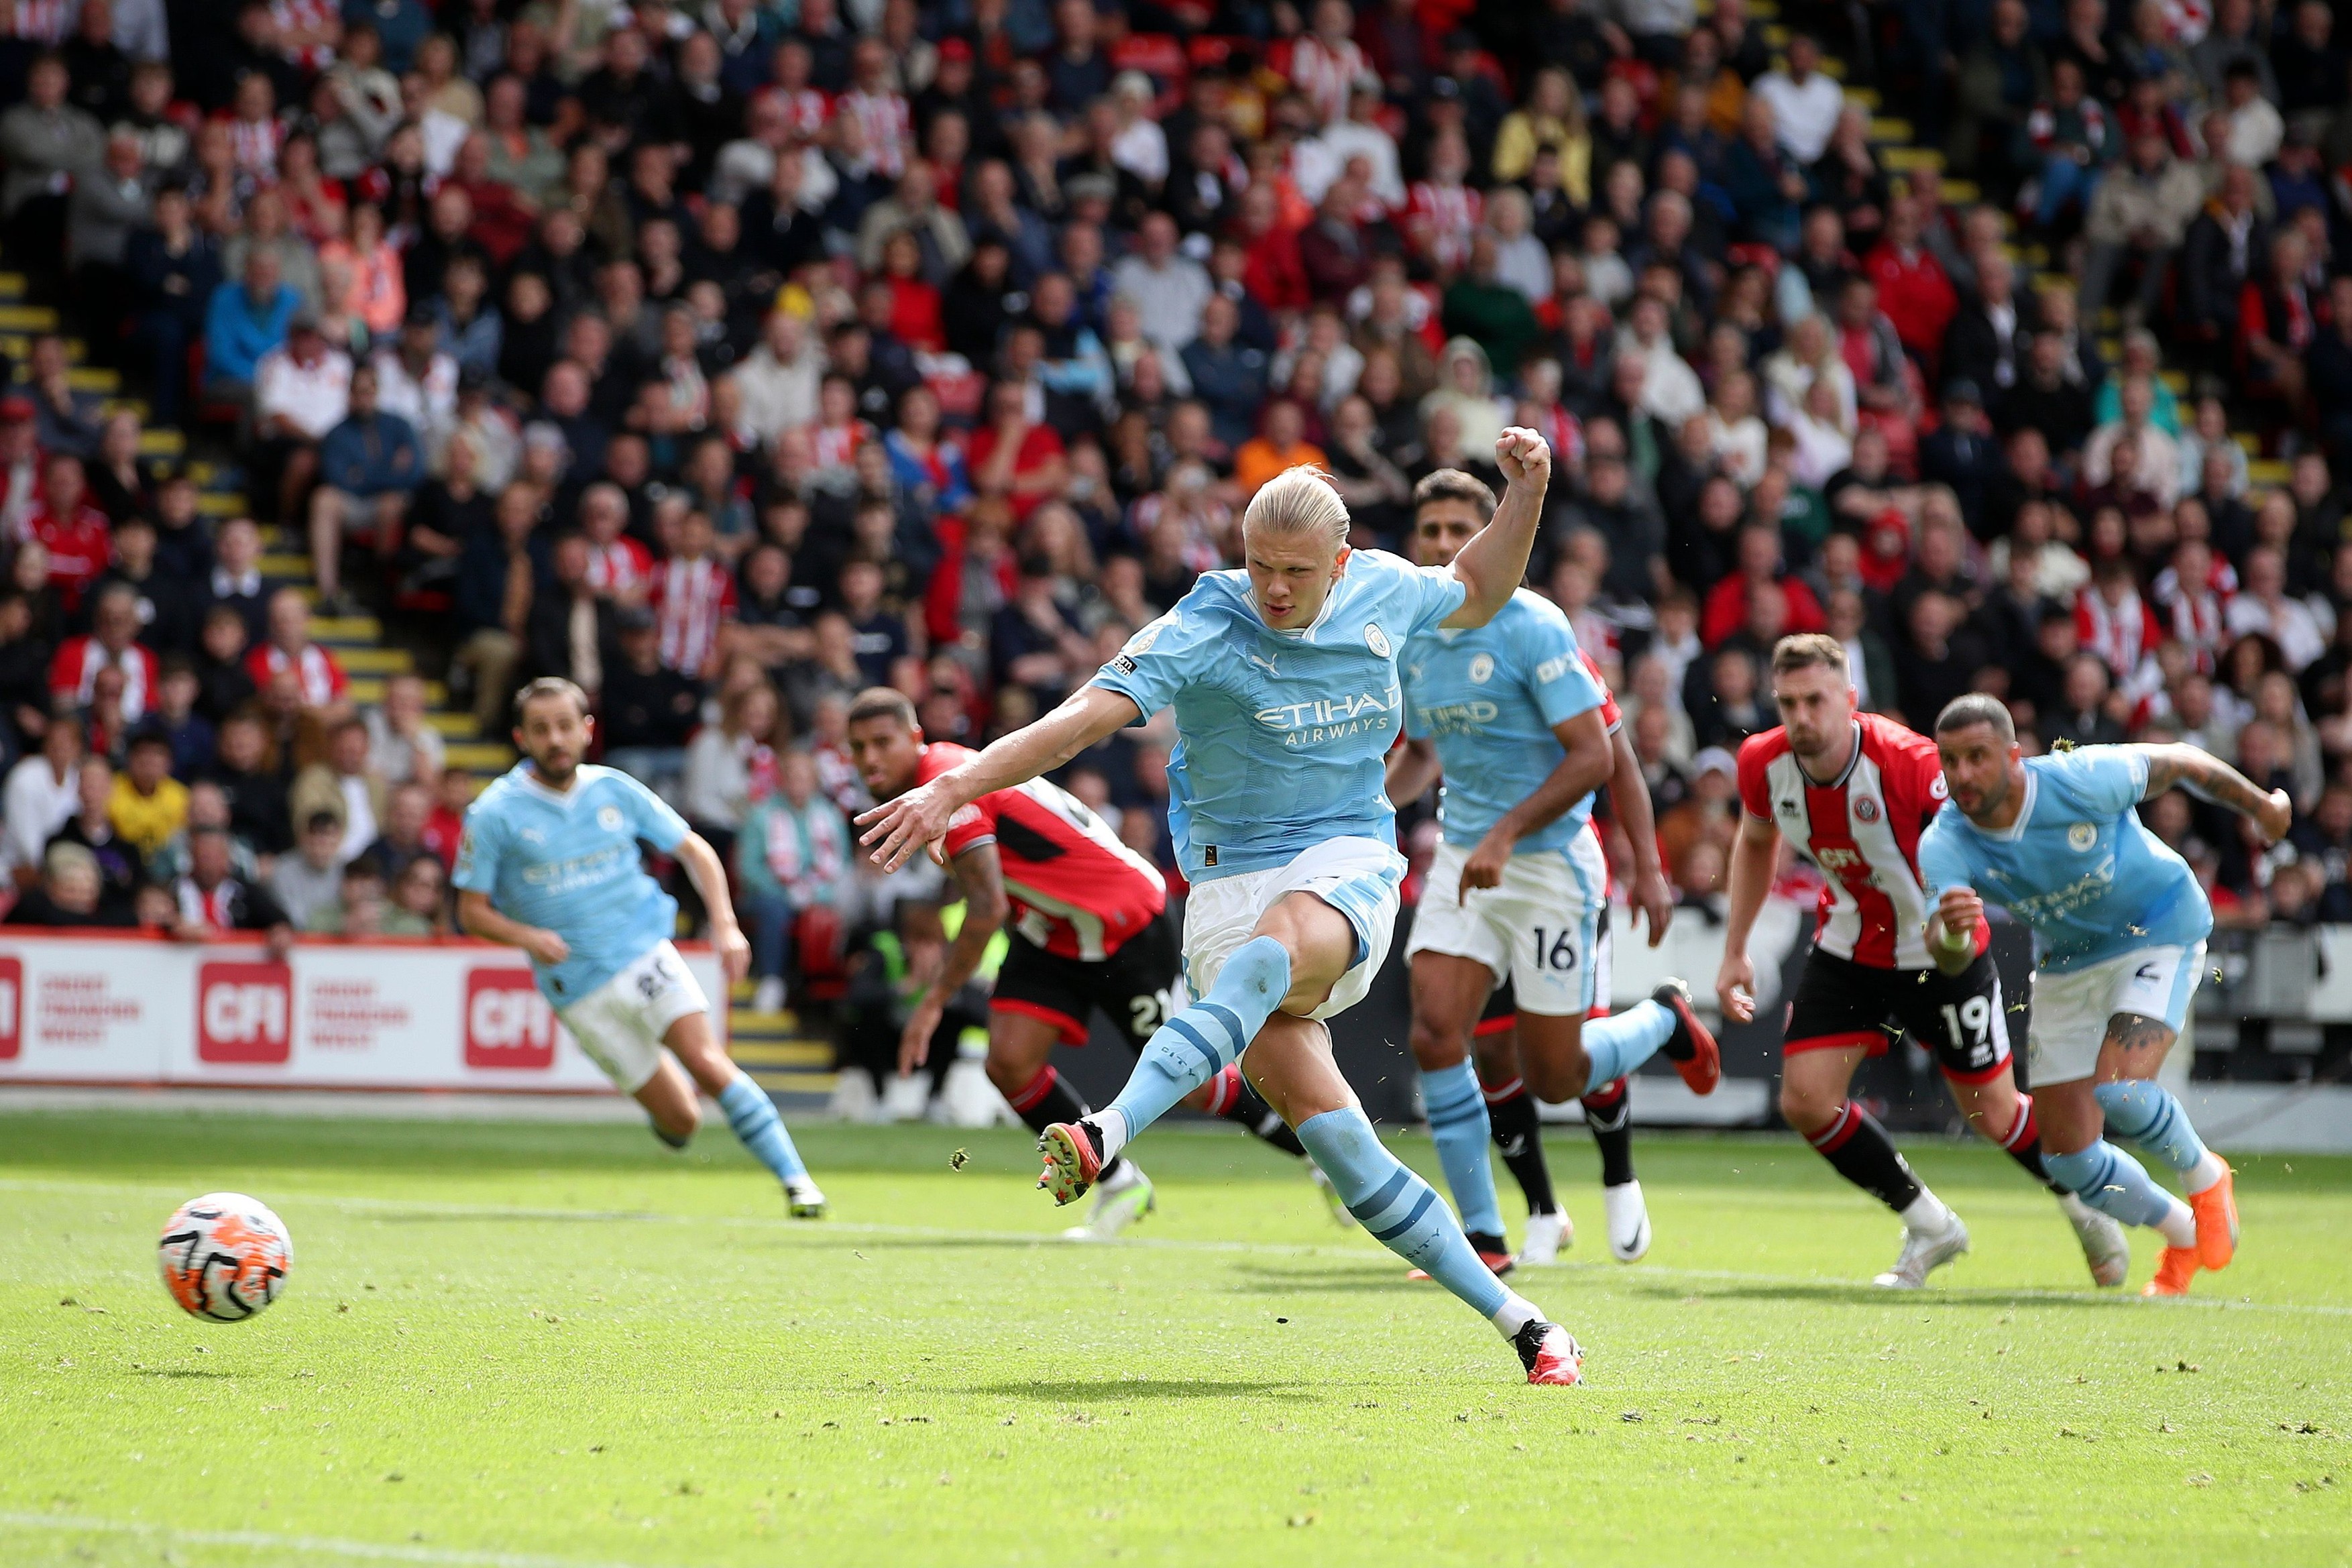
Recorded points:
(2209,778)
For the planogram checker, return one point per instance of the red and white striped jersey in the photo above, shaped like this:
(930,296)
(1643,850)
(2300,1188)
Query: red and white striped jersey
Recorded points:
(2122,635)
(256,143)
(806,110)
(1439,220)
(692,599)
(624,566)
(73,675)
(322,677)
(890,127)
(1325,75)
(1862,829)
(1075,890)
(43,21)
(305,15)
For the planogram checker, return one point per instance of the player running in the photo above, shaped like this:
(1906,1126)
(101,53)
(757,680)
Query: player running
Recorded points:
(1854,792)
(1283,677)
(1090,932)
(2119,925)
(550,864)
(1518,889)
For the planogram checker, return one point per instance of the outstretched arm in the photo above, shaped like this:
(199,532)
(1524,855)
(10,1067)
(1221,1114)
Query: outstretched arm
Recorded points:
(2209,778)
(1629,794)
(1491,564)
(899,827)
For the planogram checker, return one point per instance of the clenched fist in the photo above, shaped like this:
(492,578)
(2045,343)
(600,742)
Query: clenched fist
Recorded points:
(1524,456)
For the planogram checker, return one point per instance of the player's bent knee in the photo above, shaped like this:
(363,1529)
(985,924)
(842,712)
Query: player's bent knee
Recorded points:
(1435,1046)
(1806,1107)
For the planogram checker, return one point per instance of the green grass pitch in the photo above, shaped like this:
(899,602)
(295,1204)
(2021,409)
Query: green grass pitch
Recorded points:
(539,1345)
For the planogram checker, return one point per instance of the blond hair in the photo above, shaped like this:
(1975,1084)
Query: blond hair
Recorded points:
(1298,500)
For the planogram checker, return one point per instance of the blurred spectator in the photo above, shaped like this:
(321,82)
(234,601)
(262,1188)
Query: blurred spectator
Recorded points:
(794,854)
(310,880)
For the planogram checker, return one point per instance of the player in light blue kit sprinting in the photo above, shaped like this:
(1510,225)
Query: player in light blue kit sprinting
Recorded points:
(550,864)
(1283,681)
(2119,927)
(1518,887)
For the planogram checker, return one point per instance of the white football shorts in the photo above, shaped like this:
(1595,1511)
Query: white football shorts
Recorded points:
(1357,877)
(621,1023)
(1545,926)
(2072,1006)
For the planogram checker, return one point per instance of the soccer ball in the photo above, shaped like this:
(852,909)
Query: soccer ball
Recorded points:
(223,1257)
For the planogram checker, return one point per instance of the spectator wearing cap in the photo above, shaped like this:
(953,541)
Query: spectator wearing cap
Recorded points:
(301,390)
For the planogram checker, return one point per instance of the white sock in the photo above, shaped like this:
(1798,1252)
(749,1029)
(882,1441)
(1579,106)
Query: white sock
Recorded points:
(2179,1226)
(1927,1214)
(1515,1313)
(1111,1122)
(2205,1173)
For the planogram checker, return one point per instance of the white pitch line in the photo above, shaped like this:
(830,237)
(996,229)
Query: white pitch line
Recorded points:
(801,1230)
(304,1546)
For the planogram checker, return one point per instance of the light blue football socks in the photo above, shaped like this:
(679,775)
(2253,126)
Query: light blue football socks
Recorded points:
(2115,1183)
(1403,1213)
(2149,1115)
(1458,1126)
(1621,1042)
(1198,1043)
(754,1117)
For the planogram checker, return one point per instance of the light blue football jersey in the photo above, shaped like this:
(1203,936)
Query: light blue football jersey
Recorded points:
(1281,735)
(570,864)
(1489,697)
(2078,865)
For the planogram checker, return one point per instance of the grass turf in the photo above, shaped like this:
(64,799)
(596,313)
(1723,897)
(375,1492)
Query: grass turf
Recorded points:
(541,1344)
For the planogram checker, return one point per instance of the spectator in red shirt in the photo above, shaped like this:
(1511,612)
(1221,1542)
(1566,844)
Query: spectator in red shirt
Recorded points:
(1913,290)
(75,532)
(1010,457)
(1758,566)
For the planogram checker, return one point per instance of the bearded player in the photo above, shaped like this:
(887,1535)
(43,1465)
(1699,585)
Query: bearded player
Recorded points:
(549,863)
(1519,725)
(1283,677)
(1854,791)
(1091,933)
(2119,928)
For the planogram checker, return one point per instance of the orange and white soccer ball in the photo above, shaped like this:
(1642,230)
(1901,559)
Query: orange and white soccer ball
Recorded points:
(224,1256)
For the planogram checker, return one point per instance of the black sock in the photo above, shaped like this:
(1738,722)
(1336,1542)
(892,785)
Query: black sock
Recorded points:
(2023,1145)
(1249,1109)
(1859,1148)
(1608,1117)
(1519,1138)
(1049,1099)
(672,1139)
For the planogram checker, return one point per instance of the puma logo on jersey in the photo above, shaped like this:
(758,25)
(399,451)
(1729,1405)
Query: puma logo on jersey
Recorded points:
(1266,664)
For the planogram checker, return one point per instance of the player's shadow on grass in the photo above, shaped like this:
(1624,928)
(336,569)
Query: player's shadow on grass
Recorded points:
(1368,1275)
(1833,1292)
(184,1372)
(1117,1388)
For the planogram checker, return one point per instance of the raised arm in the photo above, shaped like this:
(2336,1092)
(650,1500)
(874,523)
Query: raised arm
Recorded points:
(1629,794)
(1752,854)
(919,816)
(1491,564)
(2207,777)
(980,875)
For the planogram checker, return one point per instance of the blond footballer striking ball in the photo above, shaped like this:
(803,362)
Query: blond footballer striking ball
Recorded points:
(224,1256)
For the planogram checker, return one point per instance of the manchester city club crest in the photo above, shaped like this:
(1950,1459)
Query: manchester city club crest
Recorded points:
(1482,669)
(1377,640)
(609,818)
(2081,837)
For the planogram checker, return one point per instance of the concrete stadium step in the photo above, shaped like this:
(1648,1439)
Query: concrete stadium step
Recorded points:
(80,377)
(370,688)
(162,444)
(805,1055)
(797,1094)
(27,318)
(347,631)
(449,724)
(222,504)
(2267,470)
(292,568)
(11,286)
(376,660)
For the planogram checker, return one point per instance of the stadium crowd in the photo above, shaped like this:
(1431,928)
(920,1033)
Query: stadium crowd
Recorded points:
(729,358)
